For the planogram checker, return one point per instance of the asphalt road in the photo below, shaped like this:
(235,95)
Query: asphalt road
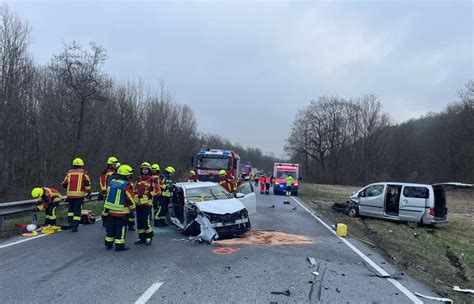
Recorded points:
(75,268)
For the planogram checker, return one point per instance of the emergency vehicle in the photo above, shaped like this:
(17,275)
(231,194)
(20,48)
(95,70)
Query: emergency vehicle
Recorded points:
(210,162)
(280,172)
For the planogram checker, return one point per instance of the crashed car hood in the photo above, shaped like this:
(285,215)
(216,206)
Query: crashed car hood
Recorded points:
(231,205)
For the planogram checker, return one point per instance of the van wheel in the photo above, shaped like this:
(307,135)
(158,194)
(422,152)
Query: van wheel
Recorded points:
(352,211)
(414,224)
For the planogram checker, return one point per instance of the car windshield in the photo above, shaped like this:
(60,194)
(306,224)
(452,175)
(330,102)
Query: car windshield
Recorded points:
(202,194)
(284,174)
(212,163)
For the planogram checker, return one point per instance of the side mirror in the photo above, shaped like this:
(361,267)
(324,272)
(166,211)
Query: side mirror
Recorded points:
(353,192)
(239,195)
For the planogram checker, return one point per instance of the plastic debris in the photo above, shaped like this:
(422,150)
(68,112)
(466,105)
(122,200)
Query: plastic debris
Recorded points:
(286,203)
(457,288)
(312,261)
(446,300)
(315,273)
(208,233)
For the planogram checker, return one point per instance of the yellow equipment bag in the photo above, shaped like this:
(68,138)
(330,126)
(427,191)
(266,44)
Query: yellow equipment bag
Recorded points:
(341,230)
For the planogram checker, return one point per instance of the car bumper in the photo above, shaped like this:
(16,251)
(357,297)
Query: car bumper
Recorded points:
(281,188)
(435,220)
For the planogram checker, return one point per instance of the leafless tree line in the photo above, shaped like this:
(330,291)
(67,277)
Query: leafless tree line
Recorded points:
(71,108)
(352,141)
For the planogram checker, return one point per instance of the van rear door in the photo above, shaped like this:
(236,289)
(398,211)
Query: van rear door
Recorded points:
(440,197)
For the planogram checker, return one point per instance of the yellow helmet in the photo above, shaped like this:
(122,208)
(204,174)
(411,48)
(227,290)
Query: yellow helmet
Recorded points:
(112,160)
(37,192)
(170,169)
(78,162)
(155,167)
(145,165)
(222,172)
(125,170)
(192,172)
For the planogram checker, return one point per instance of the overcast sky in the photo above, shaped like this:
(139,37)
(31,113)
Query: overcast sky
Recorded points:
(246,68)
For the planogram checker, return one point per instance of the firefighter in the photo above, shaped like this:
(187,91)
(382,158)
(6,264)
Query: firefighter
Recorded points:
(167,189)
(192,177)
(78,185)
(289,184)
(120,202)
(156,181)
(105,177)
(268,182)
(261,181)
(225,182)
(144,200)
(48,200)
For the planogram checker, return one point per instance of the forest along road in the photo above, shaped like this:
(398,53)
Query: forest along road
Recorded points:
(73,268)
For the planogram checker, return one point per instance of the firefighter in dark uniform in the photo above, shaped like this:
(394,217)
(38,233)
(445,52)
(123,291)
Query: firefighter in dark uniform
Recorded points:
(156,181)
(143,188)
(164,199)
(105,176)
(77,183)
(120,202)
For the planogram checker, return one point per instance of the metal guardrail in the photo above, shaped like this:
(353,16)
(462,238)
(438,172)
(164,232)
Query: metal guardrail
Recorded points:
(10,208)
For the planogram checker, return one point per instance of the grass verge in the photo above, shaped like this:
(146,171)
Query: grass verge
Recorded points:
(440,257)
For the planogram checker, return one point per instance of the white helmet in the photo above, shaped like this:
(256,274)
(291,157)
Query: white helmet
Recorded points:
(31,227)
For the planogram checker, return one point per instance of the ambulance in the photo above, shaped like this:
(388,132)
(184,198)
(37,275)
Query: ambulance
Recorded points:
(280,172)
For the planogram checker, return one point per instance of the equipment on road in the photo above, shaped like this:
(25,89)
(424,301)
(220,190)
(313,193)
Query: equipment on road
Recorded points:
(341,230)
(50,229)
(30,227)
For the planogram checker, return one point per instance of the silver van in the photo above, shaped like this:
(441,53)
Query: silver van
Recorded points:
(414,203)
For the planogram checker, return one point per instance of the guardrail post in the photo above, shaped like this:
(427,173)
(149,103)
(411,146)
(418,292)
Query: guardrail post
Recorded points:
(2,223)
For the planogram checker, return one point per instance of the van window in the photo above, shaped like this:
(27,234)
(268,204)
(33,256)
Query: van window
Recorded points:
(371,191)
(416,192)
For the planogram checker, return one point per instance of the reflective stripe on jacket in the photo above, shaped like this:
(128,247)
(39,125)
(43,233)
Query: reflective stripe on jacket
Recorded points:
(120,198)
(77,182)
(143,189)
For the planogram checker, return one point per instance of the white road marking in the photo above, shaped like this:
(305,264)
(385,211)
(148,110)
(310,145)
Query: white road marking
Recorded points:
(22,241)
(149,293)
(379,269)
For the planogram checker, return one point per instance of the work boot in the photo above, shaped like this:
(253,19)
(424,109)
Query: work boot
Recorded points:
(74,228)
(122,248)
(148,241)
(108,246)
(139,242)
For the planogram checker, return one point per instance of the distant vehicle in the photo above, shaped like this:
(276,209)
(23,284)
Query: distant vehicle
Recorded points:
(280,172)
(246,171)
(229,216)
(209,163)
(414,203)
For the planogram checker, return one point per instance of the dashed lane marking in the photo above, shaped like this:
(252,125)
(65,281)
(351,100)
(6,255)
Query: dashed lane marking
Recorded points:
(149,293)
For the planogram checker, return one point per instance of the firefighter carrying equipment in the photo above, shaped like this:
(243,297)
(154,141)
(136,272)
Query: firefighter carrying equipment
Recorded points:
(112,160)
(49,200)
(78,162)
(125,170)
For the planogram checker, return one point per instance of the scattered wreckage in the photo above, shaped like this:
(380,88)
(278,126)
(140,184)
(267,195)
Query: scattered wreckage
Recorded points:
(208,211)
(416,204)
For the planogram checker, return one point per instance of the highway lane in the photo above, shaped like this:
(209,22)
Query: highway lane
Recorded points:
(73,268)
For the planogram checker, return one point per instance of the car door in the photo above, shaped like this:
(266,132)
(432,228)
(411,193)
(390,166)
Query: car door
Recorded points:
(371,200)
(248,199)
(413,202)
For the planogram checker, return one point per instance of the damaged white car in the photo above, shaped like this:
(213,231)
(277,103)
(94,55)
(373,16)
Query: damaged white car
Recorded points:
(198,206)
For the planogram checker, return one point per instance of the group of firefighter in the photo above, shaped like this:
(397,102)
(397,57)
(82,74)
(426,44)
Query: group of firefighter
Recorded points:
(268,181)
(145,200)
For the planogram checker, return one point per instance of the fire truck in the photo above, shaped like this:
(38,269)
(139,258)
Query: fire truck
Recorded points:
(210,162)
(280,172)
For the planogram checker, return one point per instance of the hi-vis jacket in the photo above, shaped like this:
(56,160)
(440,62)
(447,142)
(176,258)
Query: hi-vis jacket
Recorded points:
(156,182)
(120,198)
(77,183)
(105,177)
(227,184)
(167,187)
(50,195)
(143,188)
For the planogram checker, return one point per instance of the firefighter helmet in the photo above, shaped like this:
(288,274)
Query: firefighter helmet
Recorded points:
(192,172)
(37,192)
(145,165)
(222,172)
(125,170)
(112,160)
(170,169)
(155,167)
(78,162)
